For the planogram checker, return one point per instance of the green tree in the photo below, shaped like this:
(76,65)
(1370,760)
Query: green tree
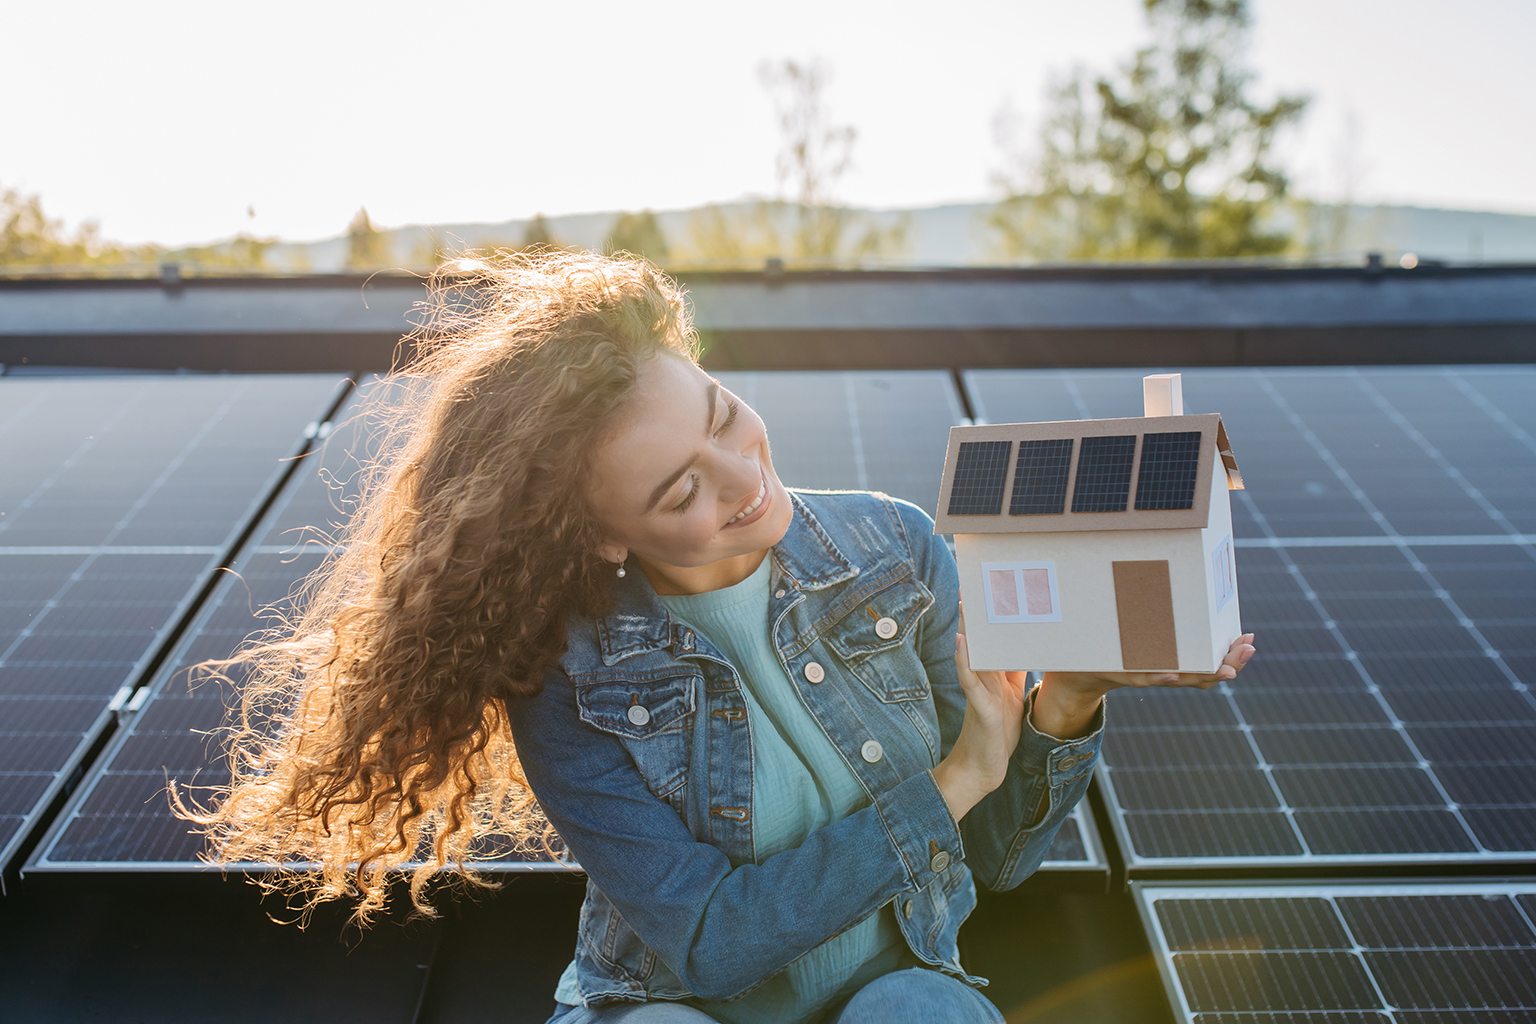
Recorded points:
(638,233)
(367,246)
(1169,159)
(814,154)
(29,237)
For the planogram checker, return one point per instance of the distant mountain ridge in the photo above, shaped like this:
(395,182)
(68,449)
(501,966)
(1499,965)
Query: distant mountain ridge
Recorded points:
(956,234)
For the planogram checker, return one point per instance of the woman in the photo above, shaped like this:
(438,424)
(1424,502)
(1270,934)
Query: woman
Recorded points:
(746,711)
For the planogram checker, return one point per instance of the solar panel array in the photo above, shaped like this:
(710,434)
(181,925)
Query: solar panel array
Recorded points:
(1412,954)
(120,819)
(1387,566)
(118,496)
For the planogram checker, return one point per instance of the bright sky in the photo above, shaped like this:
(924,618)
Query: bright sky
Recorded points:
(165,121)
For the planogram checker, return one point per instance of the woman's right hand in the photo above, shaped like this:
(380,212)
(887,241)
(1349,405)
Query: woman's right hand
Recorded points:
(994,720)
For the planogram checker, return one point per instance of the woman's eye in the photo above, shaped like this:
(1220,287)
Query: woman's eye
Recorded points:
(730,419)
(687,502)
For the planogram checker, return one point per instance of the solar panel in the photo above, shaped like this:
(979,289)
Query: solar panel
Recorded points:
(1389,717)
(855,431)
(120,818)
(1040,477)
(118,497)
(1170,463)
(1104,474)
(980,469)
(1413,952)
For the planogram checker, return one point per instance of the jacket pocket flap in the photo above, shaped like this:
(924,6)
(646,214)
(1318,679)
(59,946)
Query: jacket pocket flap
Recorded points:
(881,621)
(637,708)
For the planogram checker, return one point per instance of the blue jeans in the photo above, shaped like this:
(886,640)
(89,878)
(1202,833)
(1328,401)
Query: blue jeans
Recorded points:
(913,996)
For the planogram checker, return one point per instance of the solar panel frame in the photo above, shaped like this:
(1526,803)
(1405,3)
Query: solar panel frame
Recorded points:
(1366,630)
(1330,925)
(138,564)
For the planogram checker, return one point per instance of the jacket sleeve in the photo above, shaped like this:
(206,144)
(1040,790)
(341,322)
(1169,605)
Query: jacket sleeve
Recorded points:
(1010,831)
(721,929)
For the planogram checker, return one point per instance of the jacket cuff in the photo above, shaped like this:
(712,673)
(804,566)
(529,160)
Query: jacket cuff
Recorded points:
(1058,759)
(923,831)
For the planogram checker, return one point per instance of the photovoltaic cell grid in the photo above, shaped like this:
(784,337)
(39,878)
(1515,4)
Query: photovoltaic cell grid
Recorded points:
(1411,954)
(120,817)
(856,431)
(1170,462)
(1388,571)
(1104,474)
(118,495)
(980,468)
(1040,478)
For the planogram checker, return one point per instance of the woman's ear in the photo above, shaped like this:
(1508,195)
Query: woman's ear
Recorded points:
(615,553)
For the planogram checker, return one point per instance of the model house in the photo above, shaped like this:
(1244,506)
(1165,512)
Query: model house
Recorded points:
(1096,545)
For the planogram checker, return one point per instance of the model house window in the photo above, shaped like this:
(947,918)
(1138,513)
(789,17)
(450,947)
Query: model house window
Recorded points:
(1224,571)
(1021,591)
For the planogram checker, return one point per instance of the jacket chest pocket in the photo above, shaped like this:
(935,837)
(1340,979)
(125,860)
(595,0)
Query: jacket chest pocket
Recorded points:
(653,718)
(878,641)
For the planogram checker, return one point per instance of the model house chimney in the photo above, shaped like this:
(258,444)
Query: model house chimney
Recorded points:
(1163,394)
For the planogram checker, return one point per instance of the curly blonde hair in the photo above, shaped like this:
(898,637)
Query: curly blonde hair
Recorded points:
(372,729)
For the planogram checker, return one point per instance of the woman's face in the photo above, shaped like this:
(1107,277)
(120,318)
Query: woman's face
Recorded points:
(685,479)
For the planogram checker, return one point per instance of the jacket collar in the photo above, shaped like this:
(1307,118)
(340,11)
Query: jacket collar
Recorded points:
(639,621)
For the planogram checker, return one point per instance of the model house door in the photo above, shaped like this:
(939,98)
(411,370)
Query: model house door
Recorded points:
(1144,604)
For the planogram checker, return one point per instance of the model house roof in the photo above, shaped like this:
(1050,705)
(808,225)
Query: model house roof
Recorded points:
(1140,473)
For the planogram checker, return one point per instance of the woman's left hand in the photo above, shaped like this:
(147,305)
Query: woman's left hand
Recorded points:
(1067,700)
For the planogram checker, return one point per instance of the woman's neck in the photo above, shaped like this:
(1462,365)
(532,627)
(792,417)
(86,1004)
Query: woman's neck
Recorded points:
(701,579)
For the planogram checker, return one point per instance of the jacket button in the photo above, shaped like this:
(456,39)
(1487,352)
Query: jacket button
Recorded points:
(1066,763)
(885,628)
(639,715)
(778,594)
(872,751)
(906,909)
(814,672)
(939,862)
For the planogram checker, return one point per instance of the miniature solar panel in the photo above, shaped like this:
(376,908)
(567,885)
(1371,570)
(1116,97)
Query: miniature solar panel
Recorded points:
(980,469)
(1414,952)
(1388,717)
(856,431)
(118,497)
(1040,477)
(1104,474)
(1170,462)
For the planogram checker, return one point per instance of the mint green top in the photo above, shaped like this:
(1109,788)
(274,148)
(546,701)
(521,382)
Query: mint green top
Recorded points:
(800,782)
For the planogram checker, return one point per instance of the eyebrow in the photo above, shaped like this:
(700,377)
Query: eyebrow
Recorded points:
(673,477)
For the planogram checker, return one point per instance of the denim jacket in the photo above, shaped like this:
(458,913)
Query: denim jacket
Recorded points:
(677,904)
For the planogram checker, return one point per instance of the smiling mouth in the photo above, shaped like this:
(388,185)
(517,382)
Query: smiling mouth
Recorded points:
(759,501)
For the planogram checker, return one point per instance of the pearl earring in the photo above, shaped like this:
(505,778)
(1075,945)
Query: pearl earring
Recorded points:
(621,573)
